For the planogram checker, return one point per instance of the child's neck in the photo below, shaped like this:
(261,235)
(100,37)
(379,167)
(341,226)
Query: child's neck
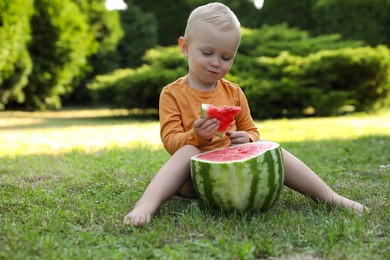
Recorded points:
(195,85)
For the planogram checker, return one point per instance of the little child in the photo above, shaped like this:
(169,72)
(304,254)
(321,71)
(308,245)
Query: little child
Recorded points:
(210,43)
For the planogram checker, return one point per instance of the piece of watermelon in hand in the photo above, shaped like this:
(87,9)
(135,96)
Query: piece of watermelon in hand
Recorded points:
(224,114)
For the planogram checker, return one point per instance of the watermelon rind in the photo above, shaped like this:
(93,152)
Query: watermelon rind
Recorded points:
(250,184)
(203,110)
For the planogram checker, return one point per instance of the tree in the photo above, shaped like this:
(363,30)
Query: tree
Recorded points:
(297,13)
(15,62)
(61,43)
(140,34)
(246,12)
(106,29)
(367,20)
(172,15)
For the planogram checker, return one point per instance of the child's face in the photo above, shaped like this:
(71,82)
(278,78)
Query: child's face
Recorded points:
(210,54)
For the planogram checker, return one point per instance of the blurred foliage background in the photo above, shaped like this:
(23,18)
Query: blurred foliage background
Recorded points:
(297,58)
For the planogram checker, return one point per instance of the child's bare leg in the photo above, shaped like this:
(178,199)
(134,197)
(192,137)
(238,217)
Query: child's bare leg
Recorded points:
(302,179)
(167,182)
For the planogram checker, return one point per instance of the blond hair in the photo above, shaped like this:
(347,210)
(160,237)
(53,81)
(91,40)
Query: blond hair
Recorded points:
(216,14)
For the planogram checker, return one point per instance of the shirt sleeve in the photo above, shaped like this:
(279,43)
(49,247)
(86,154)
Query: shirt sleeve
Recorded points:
(244,119)
(172,132)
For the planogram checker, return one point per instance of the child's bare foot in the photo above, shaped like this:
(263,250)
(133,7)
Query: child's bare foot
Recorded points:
(139,216)
(350,204)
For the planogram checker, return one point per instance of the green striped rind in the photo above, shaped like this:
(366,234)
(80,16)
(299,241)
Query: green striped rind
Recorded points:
(203,110)
(253,184)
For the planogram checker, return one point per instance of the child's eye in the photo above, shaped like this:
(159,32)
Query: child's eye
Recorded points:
(207,53)
(226,58)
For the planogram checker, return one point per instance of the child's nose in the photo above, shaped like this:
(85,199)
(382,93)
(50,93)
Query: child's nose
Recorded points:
(215,62)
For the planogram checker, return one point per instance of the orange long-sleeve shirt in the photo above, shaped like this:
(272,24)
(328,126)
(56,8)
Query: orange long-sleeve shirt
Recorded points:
(180,107)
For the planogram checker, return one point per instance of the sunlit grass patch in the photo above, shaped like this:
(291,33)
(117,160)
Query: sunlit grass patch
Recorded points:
(29,133)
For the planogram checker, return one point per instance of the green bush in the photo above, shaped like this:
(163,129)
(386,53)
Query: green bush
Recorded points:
(325,83)
(104,88)
(128,88)
(15,62)
(363,72)
(141,87)
(272,40)
(319,82)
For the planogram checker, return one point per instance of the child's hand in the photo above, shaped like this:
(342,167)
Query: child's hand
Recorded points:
(238,137)
(205,128)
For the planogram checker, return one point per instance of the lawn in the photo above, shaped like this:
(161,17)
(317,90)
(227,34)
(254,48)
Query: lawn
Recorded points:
(68,178)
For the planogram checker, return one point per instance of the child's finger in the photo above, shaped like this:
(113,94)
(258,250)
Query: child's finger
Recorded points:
(198,123)
(210,123)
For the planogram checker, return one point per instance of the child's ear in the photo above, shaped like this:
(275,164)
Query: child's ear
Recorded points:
(183,45)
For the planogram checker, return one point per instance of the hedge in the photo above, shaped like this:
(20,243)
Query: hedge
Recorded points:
(325,83)
(320,82)
(141,87)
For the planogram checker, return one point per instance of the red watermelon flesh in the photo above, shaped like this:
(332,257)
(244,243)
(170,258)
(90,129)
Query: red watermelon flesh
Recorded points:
(236,153)
(224,114)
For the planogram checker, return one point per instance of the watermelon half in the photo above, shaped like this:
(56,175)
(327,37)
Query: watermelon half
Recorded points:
(245,177)
(225,115)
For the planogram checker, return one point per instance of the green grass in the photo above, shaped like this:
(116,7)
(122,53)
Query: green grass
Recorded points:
(67,179)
